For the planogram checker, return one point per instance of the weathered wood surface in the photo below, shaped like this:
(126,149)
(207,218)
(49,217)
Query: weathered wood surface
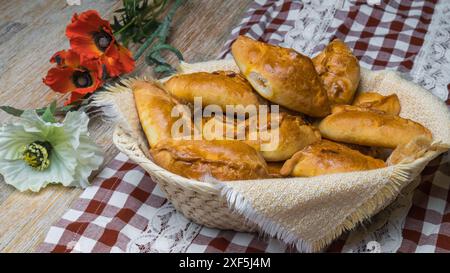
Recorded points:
(30,32)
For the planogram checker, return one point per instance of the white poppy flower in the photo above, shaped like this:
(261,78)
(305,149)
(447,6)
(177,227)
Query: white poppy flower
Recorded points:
(35,153)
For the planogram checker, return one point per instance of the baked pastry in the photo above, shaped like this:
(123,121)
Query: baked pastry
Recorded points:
(293,135)
(363,126)
(339,71)
(407,153)
(282,76)
(346,107)
(327,157)
(388,104)
(375,152)
(277,140)
(154,107)
(220,88)
(274,169)
(201,159)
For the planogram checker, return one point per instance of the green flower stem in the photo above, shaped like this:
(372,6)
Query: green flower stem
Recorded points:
(125,26)
(161,32)
(146,44)
(165,26)
(40,111)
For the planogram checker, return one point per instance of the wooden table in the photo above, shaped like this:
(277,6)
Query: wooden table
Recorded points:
(30,32)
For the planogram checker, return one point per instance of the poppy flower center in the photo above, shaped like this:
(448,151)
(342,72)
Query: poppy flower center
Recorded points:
(37,155)
(102,40)
(82,79)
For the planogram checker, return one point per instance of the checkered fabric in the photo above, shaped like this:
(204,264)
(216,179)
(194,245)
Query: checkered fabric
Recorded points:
(266,21)
(386,36)
(118,207)
(123,204)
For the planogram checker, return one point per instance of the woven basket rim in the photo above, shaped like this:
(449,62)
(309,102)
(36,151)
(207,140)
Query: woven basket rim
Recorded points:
(131,144)
(211,187)
(141,158)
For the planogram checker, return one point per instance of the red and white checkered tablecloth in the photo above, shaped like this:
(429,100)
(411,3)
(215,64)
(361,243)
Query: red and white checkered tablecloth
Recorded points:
(125,211)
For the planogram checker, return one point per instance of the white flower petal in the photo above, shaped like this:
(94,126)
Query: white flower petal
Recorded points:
(61,170)
(72,158)
(12,139)
(89,157)
(51,132)
(35,122)
(63,162)
(18,174)
(76,124)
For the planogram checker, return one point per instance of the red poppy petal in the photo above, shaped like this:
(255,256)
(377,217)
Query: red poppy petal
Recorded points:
(74,96)
(58,57)
(112,51)
(86,47)
(112,66)
(126,60)
(95,67)
(60,79)
(118,61)
(72,58)
(93,18)
(81,33)
(86,23)
(66,58)
(111,60)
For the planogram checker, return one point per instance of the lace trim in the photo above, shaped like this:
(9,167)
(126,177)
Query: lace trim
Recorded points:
(384,233)
(168,231)
(313,30)
(310,27)
(432,64)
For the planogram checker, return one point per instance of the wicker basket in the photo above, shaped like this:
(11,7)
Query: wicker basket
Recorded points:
(203,202)
(198,201)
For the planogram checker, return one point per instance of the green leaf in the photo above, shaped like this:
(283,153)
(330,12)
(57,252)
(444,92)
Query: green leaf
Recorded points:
(12,111)
(137,22)
(155,58)
(160,47)
(49,113)
(53,107)
(164,69)
(63,110)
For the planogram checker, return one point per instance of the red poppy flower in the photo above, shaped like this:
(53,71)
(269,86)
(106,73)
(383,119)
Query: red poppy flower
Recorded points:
(74,75)
(92,37)
(66,58)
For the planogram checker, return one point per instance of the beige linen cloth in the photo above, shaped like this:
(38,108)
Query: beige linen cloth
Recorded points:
(311,212)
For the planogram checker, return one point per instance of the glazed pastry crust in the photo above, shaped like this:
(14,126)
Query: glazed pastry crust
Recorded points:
(274,169)
(224,160)
(282,76)
(388,104)
(410,151)
(154,107)
(375,152)
(221,88)
(339,71)
(294,134)
(278,143)
(352,124)
(327,157)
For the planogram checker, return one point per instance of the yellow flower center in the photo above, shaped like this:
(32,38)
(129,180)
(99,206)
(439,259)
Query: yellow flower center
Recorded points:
(37,154)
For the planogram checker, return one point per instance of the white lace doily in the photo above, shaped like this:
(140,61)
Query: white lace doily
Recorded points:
(168,231)
(313,29)
(432,64)
(310,28)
